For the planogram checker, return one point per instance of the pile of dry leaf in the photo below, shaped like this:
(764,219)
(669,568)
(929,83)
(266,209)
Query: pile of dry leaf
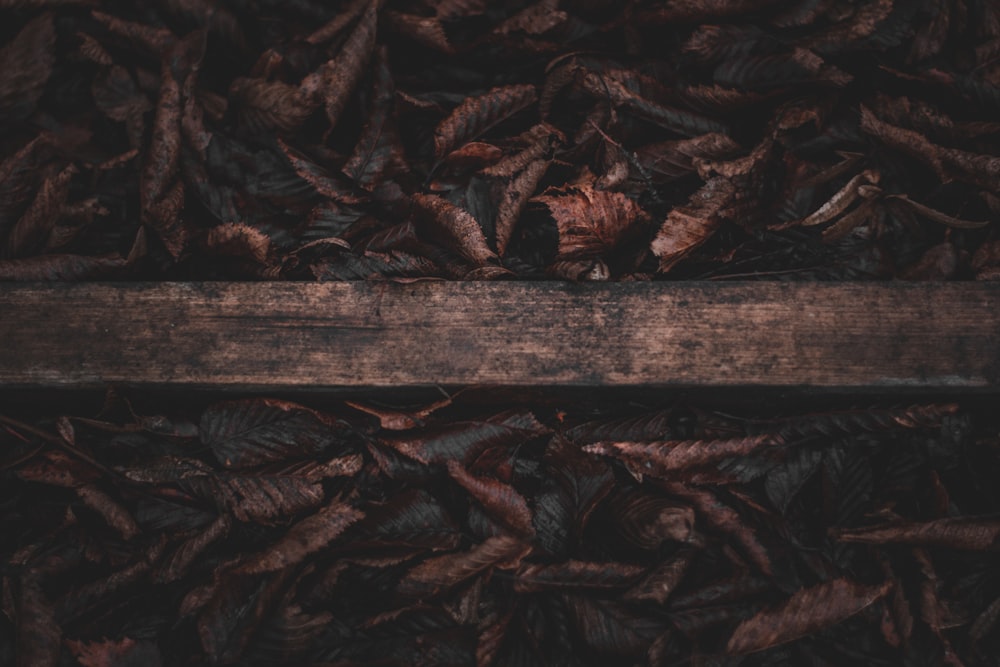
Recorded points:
(262,532)
(465,139)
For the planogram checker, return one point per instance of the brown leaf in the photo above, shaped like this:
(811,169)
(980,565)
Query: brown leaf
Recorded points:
(670,160)
(265,105)
(32,230)
(476,115)
(841,200)
(448,9)
(461,441)
(239,240)
(343,18)
(378,153)
(437,574)
(514,196)
(618,93)
(662,580)
(341,466)
(907,141)
(688,227)
(113,513)
(850,221)
(261,498)
(861,23)
(971,533)
(164,217)
(490,640)
(457,225)
(659,458)
(575,574)
(398,420)
(424,30)
(27,64)
(315,175)
(165,146)
(535,19)
(92,50)
(123,652)
(501,501)
(336,80)
(724,519)
(152,39)
(590,221)
(180,561)
(648,520)
(304,538)
(807,611)
(938,216)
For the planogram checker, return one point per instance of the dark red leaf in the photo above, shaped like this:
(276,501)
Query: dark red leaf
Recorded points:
(575,574)
(378,153)
(660,458)
(501,501)
(590,222)
(439,573)
(460,230)
(807,611)
(125,652)
(476,115)
(956,533)
(648,521)
(304,538)
(658,585)
(28,60)
(250,432)
(463,440)
(263,498)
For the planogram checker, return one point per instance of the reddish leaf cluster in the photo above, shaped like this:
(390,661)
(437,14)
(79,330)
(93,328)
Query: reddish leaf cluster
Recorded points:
(264,532)
(461,139)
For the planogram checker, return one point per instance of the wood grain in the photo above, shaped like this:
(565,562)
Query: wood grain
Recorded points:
(253,336)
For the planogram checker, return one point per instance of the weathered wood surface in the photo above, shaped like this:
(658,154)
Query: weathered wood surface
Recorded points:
(253,336)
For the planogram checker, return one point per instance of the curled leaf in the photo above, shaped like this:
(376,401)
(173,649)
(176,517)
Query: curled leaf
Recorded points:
(658,458)
(688,227)
(590,221)
(439,573)
(501,501)
(970,533)
(462,440)
(457,225)
(575,574)
(304,538)
(476,115)
(808,610)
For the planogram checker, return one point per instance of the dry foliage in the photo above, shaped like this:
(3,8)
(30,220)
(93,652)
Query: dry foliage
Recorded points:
(703,139)
(262,532)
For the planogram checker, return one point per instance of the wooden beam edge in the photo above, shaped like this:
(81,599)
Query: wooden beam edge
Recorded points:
(330,336)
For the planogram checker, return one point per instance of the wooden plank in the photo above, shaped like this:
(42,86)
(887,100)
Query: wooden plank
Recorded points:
(274,336)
